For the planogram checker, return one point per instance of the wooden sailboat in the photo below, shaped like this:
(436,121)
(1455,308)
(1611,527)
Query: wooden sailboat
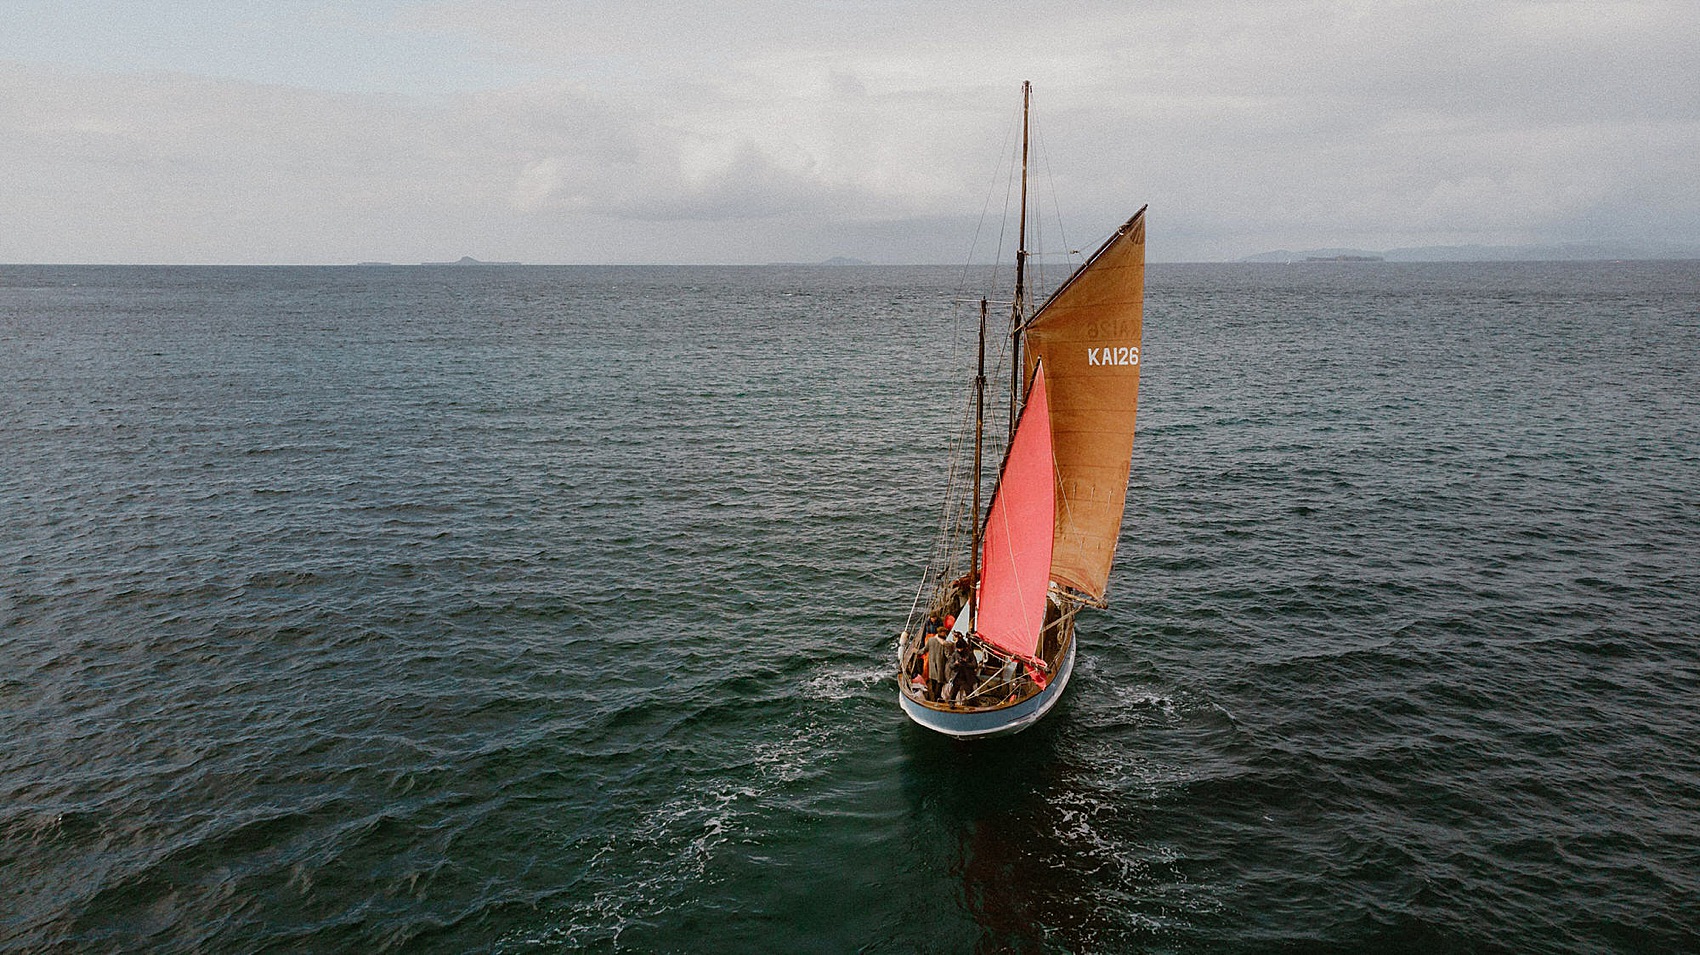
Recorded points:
(990,651)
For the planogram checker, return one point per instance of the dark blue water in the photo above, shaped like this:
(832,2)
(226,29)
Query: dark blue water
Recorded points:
(553,609)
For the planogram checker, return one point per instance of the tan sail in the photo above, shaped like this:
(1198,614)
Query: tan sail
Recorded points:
(1088,335)
(1057,506)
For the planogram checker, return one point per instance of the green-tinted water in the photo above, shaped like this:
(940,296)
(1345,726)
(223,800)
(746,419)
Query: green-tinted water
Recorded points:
(553,608)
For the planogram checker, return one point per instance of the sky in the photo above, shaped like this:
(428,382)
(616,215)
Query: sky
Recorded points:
(751,131)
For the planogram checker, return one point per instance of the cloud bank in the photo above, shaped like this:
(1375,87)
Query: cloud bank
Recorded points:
(753,132)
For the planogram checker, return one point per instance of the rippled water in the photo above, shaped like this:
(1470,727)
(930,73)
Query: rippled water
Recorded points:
(520,609)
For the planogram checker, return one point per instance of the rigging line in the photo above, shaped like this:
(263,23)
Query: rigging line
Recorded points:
(1036,270)
(974,244)
(1003,228)
(985,209)
(954,521)
(1056,204)
(1115,235)
(1010,181)
(953,476)
(909,621)
(1003,235)
(951,531)
(947,527)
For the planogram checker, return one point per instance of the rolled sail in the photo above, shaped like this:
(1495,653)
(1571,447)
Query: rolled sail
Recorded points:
(1088,337)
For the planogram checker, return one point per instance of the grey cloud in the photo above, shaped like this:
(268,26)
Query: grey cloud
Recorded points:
(716,132)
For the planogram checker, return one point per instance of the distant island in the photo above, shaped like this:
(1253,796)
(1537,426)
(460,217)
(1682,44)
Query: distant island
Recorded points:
(835,261)
(1563,252)
(469,260)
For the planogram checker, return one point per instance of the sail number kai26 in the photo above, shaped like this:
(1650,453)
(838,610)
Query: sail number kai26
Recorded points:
(1113,355)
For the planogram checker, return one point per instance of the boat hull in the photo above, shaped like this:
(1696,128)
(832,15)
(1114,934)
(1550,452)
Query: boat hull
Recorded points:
(981,724)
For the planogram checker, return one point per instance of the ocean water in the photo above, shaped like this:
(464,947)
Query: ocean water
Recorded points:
(539,609)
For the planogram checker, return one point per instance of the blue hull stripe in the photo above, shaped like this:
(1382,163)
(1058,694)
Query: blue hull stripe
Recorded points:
(1010,719)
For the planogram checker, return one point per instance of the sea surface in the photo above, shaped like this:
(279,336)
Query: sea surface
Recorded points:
(553,609)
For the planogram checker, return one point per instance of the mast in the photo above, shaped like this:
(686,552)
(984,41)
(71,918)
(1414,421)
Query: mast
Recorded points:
(1018,307)
(979,427)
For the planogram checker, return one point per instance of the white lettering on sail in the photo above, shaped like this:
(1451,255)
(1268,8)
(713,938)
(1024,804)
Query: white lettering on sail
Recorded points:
(1117,355)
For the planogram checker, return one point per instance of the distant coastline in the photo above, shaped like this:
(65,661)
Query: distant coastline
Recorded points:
(837,261)
(463,261)
(1563,252)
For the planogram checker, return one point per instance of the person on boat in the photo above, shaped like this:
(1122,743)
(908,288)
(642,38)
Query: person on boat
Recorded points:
(952,668)
(967,671)
(935,655)
(935,623)
(918,658)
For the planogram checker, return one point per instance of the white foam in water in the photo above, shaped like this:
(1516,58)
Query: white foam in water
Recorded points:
(551,606)
(651,870)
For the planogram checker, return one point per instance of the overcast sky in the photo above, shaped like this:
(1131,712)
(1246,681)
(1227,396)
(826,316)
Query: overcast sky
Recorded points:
(299,131)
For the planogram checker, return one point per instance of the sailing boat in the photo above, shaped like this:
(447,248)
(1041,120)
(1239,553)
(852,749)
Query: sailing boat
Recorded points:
(990,651)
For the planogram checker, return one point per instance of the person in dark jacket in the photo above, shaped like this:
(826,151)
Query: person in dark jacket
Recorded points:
(967,671)
(936,650)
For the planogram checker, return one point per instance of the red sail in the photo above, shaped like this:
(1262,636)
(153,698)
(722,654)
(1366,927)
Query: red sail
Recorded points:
(1017,568)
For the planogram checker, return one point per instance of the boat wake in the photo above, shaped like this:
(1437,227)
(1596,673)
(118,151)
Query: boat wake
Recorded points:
(672,856)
